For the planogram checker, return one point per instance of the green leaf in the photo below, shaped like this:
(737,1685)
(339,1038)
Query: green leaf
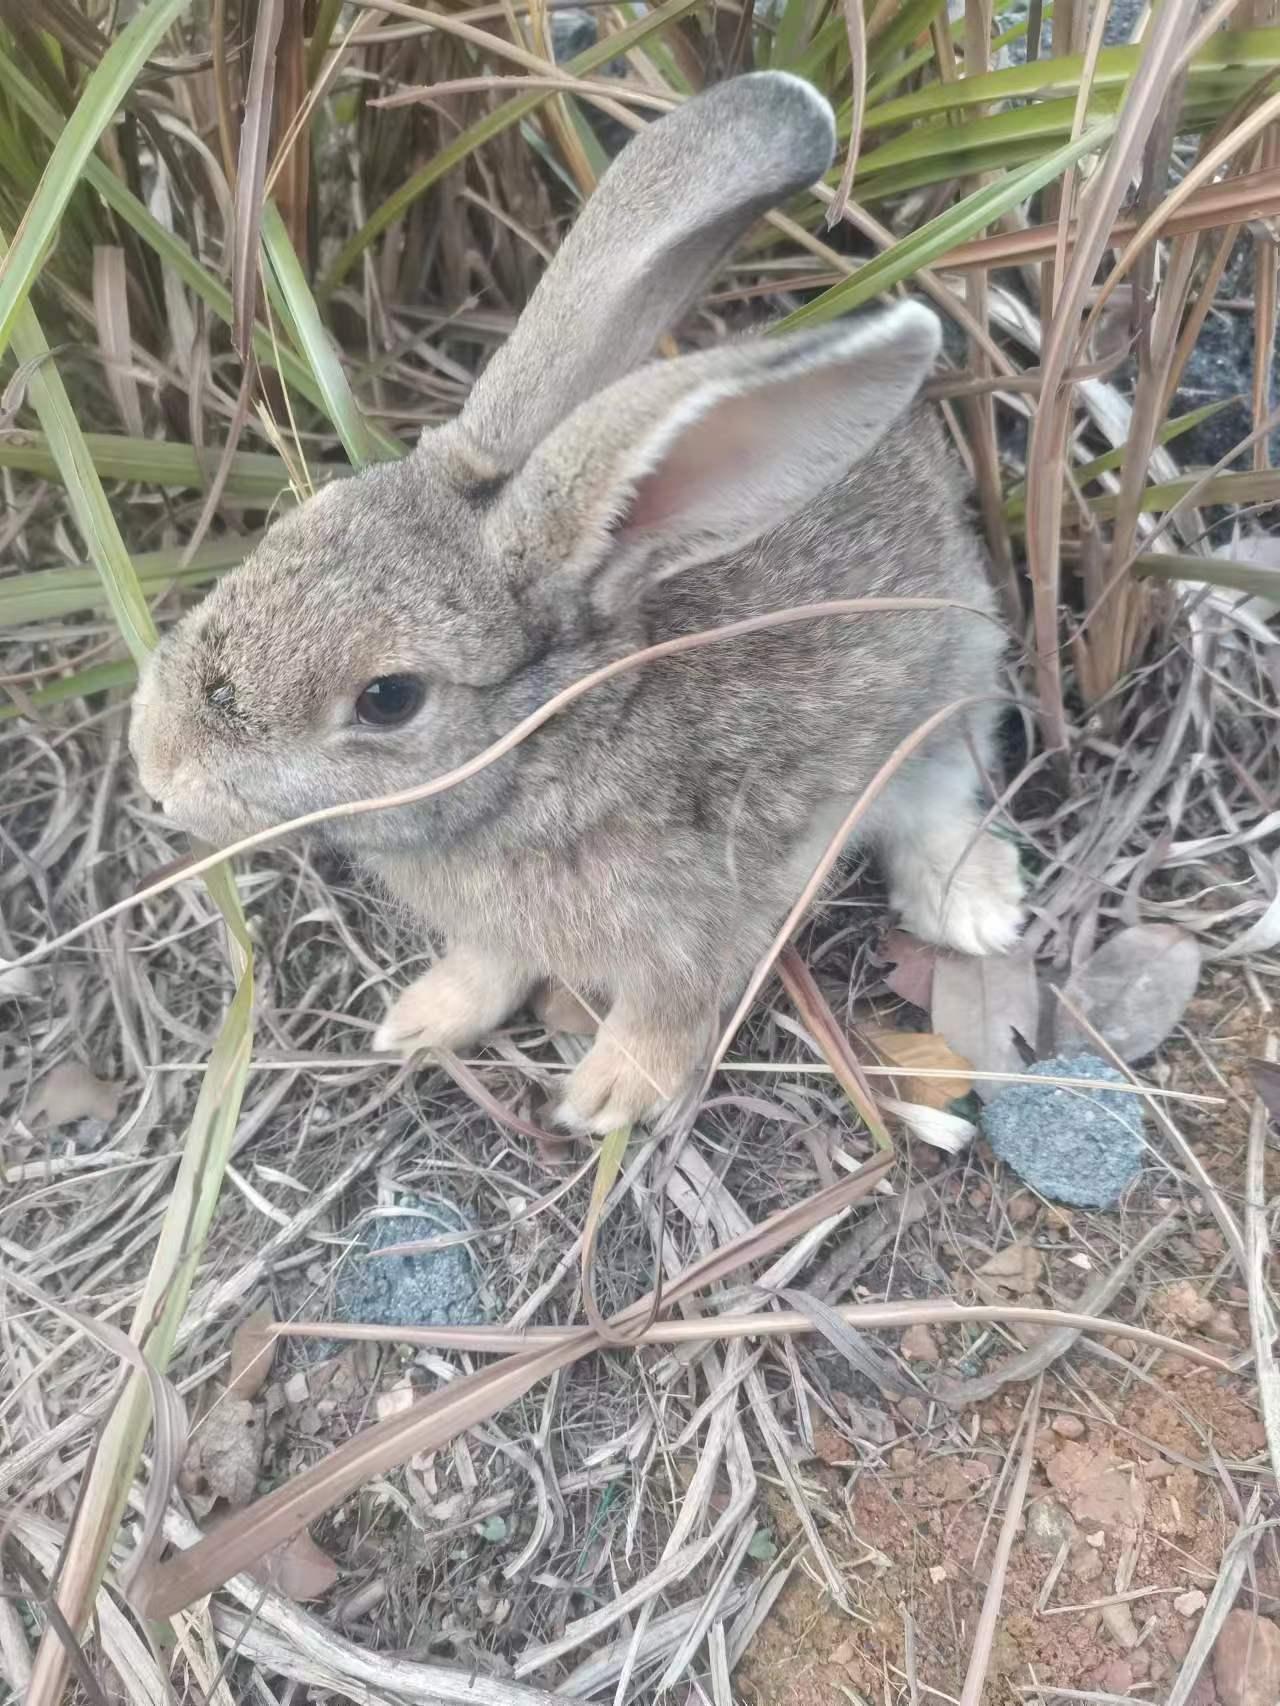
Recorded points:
(313,341)
(763,1547)
(107,86)
(956,225)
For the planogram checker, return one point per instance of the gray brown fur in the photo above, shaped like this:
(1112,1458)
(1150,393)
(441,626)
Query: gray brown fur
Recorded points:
(645,844)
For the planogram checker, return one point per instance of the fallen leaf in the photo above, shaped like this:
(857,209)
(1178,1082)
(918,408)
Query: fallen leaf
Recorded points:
(979,1005)
(910,971)
(763,1546)
(253,1348)
(935,1126)
(1016,1268)
(71,1092)
(1266,1081)
(298,1569)
(917,1050)
(223,1456)
(1133,991)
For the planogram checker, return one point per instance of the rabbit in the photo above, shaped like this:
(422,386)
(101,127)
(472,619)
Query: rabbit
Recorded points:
(642,848)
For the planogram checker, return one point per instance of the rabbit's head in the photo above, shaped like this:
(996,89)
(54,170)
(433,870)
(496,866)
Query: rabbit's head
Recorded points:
(401,619)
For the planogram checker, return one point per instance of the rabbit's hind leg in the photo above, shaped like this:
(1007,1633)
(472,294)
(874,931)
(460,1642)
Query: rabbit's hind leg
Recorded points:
(467,993)
(951,881)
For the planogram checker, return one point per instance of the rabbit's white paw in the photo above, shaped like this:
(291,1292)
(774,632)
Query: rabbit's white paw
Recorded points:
(461,999)
(970,900)
(627,1077)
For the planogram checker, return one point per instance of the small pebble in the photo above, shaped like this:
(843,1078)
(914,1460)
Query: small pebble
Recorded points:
(1076,1146)
(1070,1427)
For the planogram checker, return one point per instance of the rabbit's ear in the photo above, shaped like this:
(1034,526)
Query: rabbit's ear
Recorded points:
(697,457)
(665,214)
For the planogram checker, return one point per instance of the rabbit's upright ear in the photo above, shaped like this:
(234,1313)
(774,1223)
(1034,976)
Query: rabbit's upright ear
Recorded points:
(665,214)
(694,458)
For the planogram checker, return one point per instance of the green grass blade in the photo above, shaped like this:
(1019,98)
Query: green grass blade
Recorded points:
(956,225)
(485,129)
(47,594)
(257,477)
(100,678)
(103,93)
(170,249)
(1239,56)
(1227,572)
(1016,503)
(75,467)
(316,346)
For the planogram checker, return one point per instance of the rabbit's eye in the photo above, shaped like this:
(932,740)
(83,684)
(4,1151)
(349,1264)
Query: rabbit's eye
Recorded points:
(390,700)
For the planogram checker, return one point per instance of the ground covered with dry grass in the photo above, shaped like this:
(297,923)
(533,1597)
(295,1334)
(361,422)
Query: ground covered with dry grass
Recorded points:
(920,1504)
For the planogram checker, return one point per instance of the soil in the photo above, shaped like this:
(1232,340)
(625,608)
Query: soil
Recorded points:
(1141,1466)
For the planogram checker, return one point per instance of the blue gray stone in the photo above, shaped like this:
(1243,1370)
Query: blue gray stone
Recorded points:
(437,1289)
(1082,1147)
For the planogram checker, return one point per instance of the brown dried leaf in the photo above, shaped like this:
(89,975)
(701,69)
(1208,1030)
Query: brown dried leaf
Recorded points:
(910,976)
(253,1349)
(71,1092)
(913,1050)
(298,1569)
(223,1456)
(979,1004)
(1016,1268)
(1133,991)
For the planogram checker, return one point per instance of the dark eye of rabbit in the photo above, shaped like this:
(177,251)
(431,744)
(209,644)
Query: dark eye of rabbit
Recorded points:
(390,700)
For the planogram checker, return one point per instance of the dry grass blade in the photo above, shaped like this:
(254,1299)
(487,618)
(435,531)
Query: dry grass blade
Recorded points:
(856,26)
(1039,1357)
(984,1634)
(251,173)
(697,1329)
(432,1422)
(269,1522)
(155,1326)
(169,1418)
(1236,1561)
(111,305)
(1262,1317)
(816,1015)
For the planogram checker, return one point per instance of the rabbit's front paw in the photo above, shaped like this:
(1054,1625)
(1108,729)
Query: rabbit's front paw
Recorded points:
(968,897)
(461,999)
(627,1078)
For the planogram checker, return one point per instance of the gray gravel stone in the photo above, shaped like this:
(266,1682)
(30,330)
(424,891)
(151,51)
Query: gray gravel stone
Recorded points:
(437,1289)
(1075,1146)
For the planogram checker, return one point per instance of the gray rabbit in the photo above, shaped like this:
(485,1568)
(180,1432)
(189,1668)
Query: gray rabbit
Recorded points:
(642,848)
